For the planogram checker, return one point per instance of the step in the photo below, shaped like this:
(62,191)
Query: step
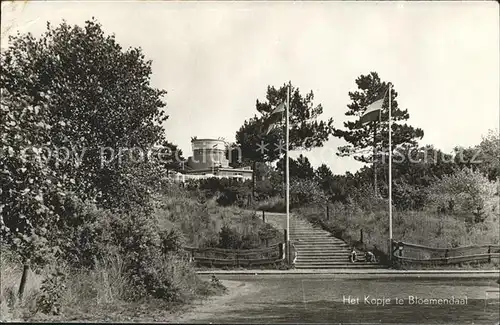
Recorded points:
(321,245)
(345,265)
(339,267)
(329,239)
(306,238)
(334,263)
(317,249)
(319,240)
(308,260)
(322,256)
(314,231)
(313,235)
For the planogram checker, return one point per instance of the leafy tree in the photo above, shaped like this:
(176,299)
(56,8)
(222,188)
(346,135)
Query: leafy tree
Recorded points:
(482,157)
(168,156)
(28,184)
(466,193)
(98,96)
(304,192)
(367,141)
(490,153)
(71,101)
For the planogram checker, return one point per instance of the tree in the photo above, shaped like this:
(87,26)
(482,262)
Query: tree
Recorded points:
(367,141)
(98,96)
(28,184)
(300,168)
(75,105)
(306,130)
(465,193)
(324,177)
(489,149)
(169,156)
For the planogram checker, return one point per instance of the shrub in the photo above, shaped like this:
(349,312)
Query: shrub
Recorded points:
(53,289)
(229,238)
(171,241)
(273,204)
(305,191)
(226,191)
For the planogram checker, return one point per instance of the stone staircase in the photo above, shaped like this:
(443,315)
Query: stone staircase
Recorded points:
(317,248)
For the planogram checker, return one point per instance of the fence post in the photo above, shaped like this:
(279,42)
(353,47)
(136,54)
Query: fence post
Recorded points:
(263,216)
(361,235)
(446,256)
(327,212)
(489,254)
(287,248)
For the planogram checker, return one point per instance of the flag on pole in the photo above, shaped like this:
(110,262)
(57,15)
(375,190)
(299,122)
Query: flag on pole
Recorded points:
(274,117)
(372,112)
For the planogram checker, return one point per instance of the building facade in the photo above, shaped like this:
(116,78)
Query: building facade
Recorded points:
(209,160)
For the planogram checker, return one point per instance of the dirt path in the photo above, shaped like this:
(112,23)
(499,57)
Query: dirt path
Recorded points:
(217,304)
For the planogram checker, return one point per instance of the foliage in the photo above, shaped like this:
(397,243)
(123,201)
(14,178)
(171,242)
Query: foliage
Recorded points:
(171,241)
(306,131)
(465,193)
(66,96)
(84,229)
(28,183)
(361,137)
(272,204)
(490,153)
(52,289)
(168,155)
(299,168)
(97,100)
(305,191)
(227,191)
(229,238)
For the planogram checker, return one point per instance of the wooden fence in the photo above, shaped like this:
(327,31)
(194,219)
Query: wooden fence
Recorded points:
(217,257)
(419,254)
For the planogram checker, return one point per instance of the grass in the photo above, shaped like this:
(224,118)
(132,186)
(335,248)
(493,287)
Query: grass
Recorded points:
(273,204)
(201,221)
(96,295)
(417,227)
(11,307)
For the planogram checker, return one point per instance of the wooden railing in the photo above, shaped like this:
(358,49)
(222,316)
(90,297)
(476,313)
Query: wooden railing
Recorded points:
(419,254)
(217,257)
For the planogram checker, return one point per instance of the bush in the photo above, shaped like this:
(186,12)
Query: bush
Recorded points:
(53,289)
(408,197)
(229,238)
(305,191)
(273,204)
(226,191)
(465,193)
(201,223)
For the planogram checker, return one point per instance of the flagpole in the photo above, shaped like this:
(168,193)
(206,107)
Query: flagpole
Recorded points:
(288,175)
(390,171)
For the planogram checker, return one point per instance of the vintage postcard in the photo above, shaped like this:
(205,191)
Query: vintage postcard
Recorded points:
(331,162)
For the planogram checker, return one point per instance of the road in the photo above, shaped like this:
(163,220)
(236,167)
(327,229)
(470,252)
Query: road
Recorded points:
(351,299)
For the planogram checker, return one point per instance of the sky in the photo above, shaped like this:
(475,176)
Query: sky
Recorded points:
(215,59)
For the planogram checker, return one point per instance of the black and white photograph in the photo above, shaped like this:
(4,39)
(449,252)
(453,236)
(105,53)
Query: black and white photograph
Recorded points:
(250,162)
